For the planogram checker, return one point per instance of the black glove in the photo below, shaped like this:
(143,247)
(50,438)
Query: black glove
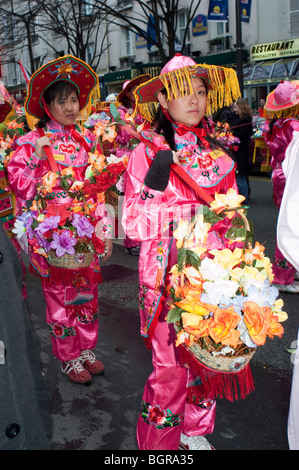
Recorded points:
(157,176)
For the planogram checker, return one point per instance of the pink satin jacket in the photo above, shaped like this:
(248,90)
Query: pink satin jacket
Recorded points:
(149,216)
(26,170)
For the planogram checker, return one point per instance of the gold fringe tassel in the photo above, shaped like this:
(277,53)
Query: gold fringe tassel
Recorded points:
(293,111)
(224,83)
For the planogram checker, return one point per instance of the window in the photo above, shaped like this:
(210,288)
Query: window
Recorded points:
(129,43)
(89,54)
(10,30)
(14,72)
(182,21)
(294,18)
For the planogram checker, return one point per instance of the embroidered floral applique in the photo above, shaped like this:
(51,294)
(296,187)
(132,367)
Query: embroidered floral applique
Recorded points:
(61,331)
(154,415)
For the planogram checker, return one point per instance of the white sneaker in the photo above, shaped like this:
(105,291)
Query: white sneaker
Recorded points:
(194,443)
(296,277)
(289,288)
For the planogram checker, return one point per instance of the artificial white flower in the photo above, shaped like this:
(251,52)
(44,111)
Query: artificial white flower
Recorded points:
(211,270)
(219,288)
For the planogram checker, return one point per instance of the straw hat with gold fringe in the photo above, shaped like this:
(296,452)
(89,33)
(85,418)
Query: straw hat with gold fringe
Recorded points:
(67,68)
(222,84)
(283,101)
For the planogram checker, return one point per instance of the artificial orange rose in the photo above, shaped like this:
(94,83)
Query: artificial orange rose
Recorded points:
(256,322)
(202,329)
(274,327)
(223,328)
(189,304)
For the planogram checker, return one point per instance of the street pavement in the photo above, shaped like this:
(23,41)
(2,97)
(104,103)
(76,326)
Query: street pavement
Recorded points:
(103,416)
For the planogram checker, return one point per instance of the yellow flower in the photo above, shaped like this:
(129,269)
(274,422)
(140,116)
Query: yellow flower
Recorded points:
(226,258)
(194,277)
(201,230)
(276,309)
(193,306)
(246,275)
(225,201)
(267,265)
(182,232)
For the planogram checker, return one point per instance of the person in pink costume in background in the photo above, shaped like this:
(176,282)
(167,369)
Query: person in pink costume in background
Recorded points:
(282,105)
(56,94)
(171,418)
(126,106)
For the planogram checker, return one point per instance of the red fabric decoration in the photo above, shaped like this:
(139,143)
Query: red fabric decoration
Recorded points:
(229,385)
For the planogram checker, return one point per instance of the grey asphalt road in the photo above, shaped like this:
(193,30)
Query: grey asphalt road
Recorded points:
(103,415)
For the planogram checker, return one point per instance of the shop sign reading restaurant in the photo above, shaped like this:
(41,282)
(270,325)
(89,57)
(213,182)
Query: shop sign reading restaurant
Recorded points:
(273,50)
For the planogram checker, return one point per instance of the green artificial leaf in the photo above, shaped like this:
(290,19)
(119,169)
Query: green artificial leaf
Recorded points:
(193,259)
(64,184)
(234,233)
(181,258)
(114,113)
(174,315)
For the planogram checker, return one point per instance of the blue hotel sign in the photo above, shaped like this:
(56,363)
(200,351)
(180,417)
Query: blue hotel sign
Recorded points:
(199,25)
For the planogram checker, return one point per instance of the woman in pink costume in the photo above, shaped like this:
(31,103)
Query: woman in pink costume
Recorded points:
(282,105)
(56,94)
(154,200)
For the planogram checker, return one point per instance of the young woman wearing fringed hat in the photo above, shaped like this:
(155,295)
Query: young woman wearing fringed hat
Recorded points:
(57,92)
(282,107)
(177,103)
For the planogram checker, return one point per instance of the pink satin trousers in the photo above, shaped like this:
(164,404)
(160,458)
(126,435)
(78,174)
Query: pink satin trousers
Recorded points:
(165,411)
(73,328)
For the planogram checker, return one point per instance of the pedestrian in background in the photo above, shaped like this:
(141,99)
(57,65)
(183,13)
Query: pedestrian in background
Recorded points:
(152,195)
(56,94)
(243,129)
(282,105)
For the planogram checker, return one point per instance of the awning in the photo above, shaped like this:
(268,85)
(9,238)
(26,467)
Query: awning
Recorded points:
(271,71)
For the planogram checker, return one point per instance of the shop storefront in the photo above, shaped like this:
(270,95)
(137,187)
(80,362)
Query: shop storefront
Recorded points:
(269,64)
(113,81)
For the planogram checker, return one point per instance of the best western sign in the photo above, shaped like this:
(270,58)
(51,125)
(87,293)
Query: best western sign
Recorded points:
(273,50)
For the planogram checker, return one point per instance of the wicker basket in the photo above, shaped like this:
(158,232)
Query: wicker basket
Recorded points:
(220,362)
(80,259)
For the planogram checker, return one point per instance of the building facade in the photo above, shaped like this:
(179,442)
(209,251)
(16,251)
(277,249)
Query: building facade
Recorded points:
(270,45)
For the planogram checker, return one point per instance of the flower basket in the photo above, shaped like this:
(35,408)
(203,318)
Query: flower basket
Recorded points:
(82,259)
(205,352)
(223,305)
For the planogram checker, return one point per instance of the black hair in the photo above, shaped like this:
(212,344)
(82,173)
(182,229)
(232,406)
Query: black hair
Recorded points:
(60,89)
(163,126)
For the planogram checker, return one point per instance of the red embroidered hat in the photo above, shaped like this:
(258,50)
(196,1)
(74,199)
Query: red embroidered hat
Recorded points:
(66,68)
(222,85)
(128,84)
(283,101)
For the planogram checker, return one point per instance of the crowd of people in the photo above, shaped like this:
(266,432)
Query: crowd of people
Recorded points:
(55,169)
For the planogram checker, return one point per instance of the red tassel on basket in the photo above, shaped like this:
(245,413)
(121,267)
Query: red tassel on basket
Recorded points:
(229,385)
(66,276)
